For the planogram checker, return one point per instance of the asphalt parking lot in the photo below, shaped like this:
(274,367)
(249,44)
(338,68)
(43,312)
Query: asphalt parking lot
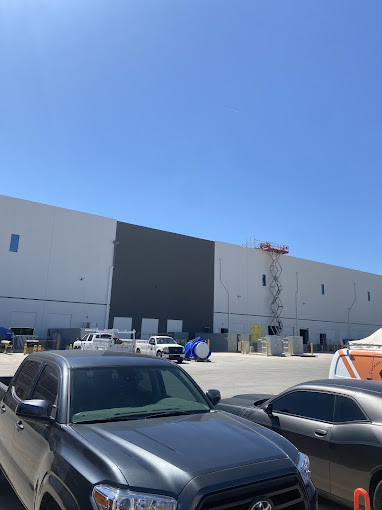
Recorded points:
(231,373)
(237,374)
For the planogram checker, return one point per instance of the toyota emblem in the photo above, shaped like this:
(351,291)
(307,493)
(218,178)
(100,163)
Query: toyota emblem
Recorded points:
(261,504)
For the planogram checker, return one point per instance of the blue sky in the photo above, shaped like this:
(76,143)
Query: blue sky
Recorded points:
(217,119)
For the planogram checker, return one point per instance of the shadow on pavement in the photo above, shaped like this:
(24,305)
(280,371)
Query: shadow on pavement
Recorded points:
(326,504)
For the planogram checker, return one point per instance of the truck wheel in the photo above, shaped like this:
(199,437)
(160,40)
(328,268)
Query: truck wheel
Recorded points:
(159,354)
(179,361)
(377,500)
(138,351)
(48,503)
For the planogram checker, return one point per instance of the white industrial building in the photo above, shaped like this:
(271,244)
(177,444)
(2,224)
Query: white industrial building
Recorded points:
(58,270)
(60,274)
(318,299)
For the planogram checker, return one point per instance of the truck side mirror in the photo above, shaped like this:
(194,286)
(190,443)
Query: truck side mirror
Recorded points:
(214,396)
(34,410)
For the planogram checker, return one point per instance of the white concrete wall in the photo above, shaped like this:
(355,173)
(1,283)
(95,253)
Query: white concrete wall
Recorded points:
(241,272)
(60,274)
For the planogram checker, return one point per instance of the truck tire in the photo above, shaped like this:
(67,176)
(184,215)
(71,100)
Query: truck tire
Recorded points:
(138,351)
(159,354)
(48,503)
(179,361)
(377,500)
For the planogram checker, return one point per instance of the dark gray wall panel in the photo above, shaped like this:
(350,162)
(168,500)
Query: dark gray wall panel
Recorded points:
(161,275)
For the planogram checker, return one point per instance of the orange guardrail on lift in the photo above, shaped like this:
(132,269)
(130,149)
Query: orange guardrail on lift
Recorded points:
(357,494)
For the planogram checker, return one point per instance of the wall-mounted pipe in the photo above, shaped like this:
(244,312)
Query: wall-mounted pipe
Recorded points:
(349,309)
(221,281)
(111,270)
(297,331)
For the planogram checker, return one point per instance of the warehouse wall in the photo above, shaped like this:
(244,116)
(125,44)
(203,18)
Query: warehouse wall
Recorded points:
(161,275)
(241,272)
(59,276)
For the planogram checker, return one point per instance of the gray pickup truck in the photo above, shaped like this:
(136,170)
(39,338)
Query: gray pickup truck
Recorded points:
(104,430)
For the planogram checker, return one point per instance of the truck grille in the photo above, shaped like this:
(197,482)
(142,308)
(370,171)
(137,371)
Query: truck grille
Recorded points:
(285,493)
(175,350)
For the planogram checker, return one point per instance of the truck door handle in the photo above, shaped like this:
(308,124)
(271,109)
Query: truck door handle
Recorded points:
(320,432)
(19,425)
(3,409)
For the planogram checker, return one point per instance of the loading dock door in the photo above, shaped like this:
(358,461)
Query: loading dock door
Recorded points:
(149,327)
(123,323)
(174,326)
(23,320)
(59,320)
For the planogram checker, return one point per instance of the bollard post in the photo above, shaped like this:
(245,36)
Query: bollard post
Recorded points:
(290,349)
(70,346)
(242,347)
(35,348)
(25,349)
(311,349)
(357,494)
(58,345)
(208,343)
(267,348)
(39,348)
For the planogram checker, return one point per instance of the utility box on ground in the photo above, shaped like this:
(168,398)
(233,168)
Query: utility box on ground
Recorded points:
(293,345)
(275,345)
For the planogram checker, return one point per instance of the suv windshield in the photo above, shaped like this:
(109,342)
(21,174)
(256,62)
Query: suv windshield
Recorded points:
(102,394)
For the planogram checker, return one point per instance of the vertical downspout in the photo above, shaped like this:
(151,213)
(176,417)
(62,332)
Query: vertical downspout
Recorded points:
(297,331)
(355,299)
(221,260)
(111,270)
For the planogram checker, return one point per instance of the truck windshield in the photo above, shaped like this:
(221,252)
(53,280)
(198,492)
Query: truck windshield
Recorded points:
(166,340)
(131,392)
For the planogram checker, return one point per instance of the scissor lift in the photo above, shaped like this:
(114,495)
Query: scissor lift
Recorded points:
(274,250)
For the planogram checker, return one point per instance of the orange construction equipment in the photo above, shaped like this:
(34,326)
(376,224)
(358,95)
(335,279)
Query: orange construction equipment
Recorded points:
(278,248)
(357,494)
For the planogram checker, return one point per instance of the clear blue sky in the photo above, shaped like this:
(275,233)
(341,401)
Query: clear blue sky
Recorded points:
(212,118)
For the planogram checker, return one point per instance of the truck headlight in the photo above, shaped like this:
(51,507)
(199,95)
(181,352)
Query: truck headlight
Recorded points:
(165,349)
(303,465)
(111,498)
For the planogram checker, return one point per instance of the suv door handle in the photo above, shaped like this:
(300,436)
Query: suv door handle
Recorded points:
(19,425)
(3,408)
(320,432)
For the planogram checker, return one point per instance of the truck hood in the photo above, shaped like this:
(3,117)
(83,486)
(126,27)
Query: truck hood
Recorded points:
(164,454)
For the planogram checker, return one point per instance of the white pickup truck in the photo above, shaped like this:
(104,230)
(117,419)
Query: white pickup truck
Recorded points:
(106,340)
(162,347)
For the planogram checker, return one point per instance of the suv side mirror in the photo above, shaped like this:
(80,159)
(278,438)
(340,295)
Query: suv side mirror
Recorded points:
(34,410)
(214,396)
(268,409)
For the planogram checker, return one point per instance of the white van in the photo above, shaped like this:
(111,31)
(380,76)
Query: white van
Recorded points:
(357,364)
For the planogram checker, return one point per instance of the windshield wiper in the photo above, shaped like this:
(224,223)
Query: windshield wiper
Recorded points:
(115,418)
(142,416)
(166,413)
(173,413)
